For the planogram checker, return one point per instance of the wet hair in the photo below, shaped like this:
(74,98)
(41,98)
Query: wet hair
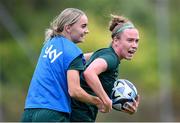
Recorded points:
(68,16)
(118,24)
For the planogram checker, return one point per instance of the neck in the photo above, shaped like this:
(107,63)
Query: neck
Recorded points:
(64,34)
(116,51)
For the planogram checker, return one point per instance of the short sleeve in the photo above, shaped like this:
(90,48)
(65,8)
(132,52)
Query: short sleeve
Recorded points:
(111,60)
(77,64)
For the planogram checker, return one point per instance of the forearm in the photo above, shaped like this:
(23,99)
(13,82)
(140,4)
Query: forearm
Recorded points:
(95,84)
(75,90)
(79,94)
(91,76)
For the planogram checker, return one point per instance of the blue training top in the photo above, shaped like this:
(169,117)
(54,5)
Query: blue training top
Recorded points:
(48,87)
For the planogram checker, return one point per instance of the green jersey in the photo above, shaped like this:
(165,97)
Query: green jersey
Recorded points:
(87,112)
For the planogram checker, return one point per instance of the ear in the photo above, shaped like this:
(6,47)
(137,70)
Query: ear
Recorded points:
(115,39)
(67,28)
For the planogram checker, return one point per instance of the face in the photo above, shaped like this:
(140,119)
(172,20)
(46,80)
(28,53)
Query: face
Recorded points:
(127,44)
(79,30)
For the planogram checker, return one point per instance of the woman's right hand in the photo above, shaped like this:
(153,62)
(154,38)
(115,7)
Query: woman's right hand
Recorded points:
(103,107)
(107,106)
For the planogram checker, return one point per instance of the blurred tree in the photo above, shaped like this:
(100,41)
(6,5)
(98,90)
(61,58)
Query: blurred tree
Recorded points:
(32,17)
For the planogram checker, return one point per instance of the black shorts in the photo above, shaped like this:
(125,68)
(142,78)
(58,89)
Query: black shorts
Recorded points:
(44,115)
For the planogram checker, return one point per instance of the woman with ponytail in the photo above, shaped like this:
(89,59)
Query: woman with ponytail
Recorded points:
(101,70)
(56,77)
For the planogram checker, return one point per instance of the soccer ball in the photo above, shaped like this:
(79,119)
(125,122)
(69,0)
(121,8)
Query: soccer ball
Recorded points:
(123,91)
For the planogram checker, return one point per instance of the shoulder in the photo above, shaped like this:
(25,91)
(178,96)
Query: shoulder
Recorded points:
(108,54)
(110,57)
(61,44)
(65,44)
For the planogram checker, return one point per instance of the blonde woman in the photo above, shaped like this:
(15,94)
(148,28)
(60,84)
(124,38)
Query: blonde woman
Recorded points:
(56,76)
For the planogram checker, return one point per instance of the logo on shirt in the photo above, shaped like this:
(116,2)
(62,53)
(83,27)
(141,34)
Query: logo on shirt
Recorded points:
(51,53)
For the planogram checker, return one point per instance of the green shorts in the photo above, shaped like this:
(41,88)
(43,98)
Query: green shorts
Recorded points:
(83,112)
(44,115)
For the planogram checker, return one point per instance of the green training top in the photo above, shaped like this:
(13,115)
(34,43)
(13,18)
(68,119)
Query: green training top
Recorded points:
(87,112)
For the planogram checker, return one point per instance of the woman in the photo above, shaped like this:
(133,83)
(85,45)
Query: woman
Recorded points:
(101,70)
(57,72)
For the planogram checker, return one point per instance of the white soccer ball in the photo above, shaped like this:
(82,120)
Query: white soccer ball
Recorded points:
(122,92)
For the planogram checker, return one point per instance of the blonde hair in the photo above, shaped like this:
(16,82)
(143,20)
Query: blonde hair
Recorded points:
(68,16)
(116,23)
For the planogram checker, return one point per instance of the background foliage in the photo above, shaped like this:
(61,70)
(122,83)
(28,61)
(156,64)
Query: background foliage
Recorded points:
(32,17)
